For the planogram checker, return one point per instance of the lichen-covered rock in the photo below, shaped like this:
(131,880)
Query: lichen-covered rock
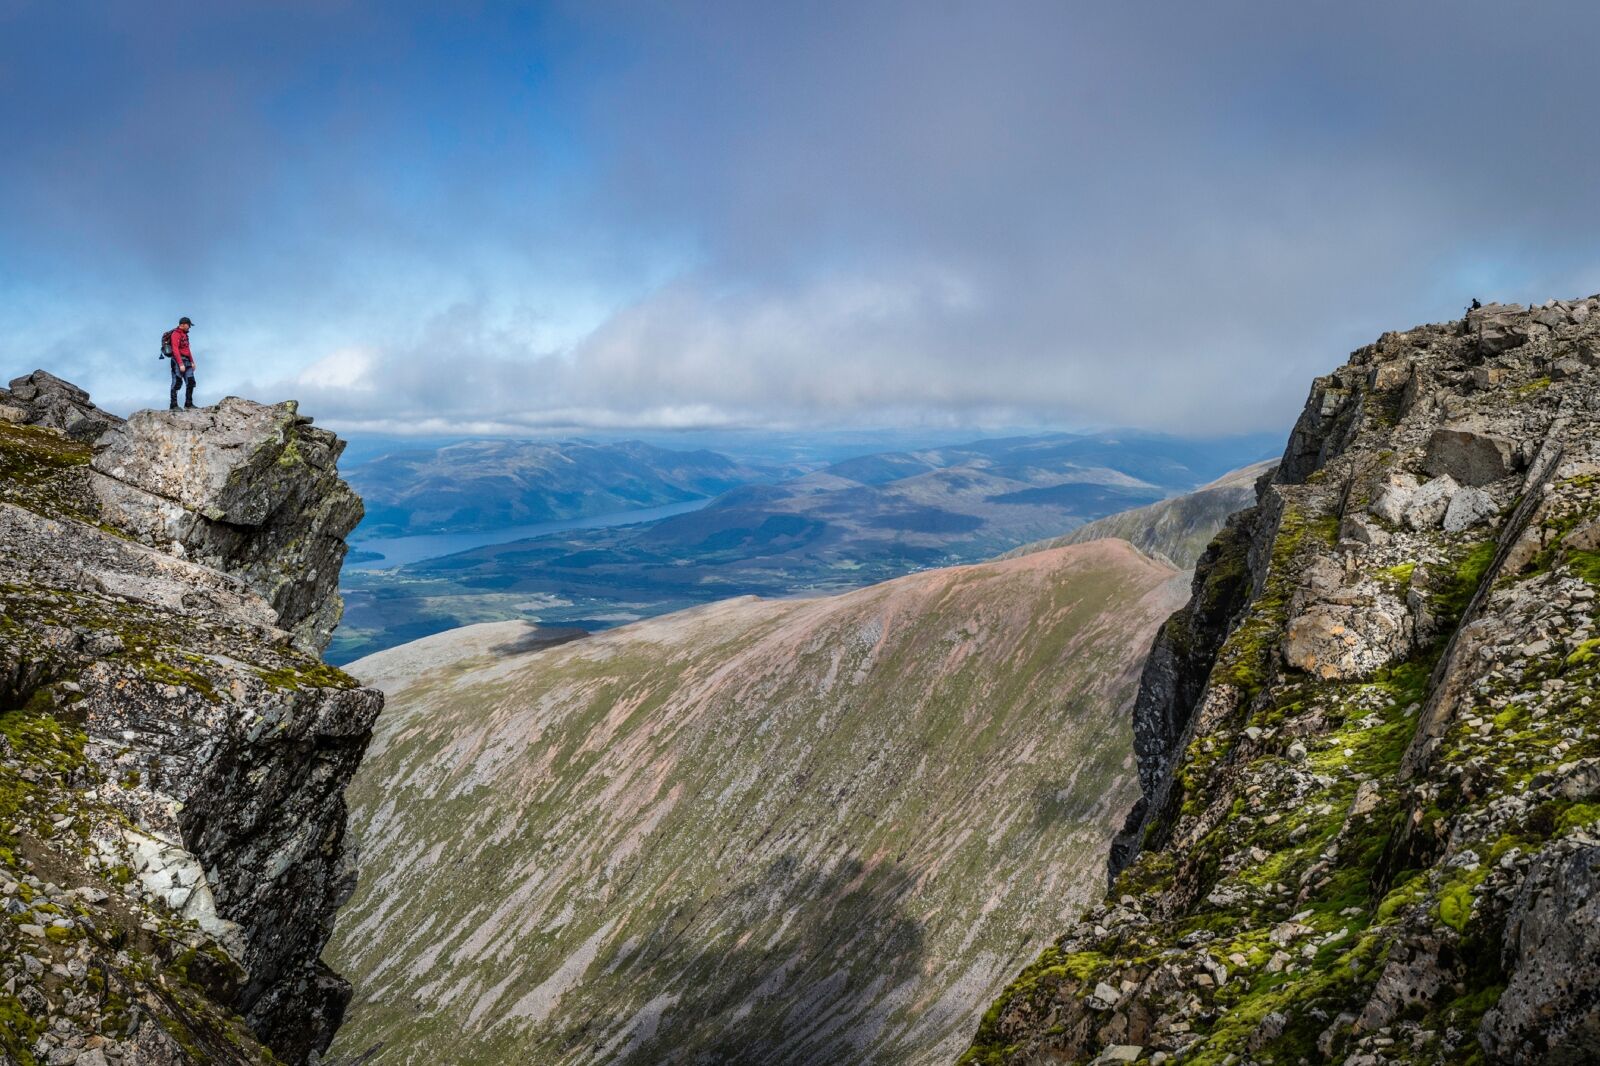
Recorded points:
(1468,508)
(1176,670)
(1335,641)
(1394,498)
(241,487)
(172,763)
(1402,500)
(1500,327)
(1369,831)
(1431,502)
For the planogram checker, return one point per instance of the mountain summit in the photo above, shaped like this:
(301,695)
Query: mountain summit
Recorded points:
(1368,748)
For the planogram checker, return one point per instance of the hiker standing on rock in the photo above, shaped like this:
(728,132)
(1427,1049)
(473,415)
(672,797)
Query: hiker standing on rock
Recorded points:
(175,346)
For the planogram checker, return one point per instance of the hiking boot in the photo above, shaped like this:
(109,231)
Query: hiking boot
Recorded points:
(188,406)
(173,406)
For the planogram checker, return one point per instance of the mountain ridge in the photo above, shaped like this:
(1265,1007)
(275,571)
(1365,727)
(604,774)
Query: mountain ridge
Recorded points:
(1369,766)
(1176,529)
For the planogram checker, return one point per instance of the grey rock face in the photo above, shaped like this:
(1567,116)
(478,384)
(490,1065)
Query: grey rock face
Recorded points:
(181,754)
(1550,1010)
(1431,501)
(242,487)
(1403,501)
(1469,508)
(1175,674)
(42,399)
(251,785)
(1347,641)
(1472,455)
(1394,498)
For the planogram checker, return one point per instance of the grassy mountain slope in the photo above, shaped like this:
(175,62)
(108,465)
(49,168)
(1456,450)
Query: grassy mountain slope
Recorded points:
(799,831)
(1176,530)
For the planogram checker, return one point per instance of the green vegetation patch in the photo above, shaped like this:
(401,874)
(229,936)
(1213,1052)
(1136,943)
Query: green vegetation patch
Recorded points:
(48,748)
(1466,575)
(307,674)
(33,454)
(1245,658)
(44,472)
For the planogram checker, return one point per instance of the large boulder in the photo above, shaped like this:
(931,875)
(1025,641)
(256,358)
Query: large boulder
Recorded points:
(1338,641)
(1550,1010)
(1393,497)
(1472,454)
(1501,327)
(42,399)
(1468,508)
(1402,501)
(243,487)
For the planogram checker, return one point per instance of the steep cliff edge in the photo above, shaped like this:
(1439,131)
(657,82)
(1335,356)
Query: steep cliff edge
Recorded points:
(173,752)
(1369,751)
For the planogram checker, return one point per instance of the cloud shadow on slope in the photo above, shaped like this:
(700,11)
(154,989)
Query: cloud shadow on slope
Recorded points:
(536,638)
(777,1002)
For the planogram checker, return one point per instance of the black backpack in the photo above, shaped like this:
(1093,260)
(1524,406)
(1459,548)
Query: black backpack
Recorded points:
(166,345)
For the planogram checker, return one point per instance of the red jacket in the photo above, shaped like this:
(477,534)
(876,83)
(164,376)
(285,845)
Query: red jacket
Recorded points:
(182,357)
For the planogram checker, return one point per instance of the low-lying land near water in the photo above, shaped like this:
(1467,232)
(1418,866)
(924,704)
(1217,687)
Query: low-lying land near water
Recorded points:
(852,524)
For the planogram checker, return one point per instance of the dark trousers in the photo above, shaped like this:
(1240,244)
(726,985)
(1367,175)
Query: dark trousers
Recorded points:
(182,376)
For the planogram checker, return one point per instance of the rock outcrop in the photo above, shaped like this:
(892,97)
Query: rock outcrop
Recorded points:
(240,487)
(173,753)
(1369,748)
(42,399)
(787,831)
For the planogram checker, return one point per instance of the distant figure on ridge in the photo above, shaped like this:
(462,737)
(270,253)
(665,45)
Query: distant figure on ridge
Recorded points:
(175,346)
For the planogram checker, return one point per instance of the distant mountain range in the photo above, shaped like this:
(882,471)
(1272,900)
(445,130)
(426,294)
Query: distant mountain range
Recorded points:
(1175,530)
(777,832)
(476,485)
(853,523)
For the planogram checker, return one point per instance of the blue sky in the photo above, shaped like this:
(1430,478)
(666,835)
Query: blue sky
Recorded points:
(481,217)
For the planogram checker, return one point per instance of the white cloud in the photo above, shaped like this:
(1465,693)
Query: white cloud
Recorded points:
(348,370)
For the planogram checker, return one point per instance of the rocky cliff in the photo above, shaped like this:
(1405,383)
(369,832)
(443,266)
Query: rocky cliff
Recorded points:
(762,831)
(173,752)
(1368,748)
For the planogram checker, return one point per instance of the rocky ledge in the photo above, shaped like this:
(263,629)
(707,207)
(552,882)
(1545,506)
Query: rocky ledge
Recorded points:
(1369,747)
(173,751)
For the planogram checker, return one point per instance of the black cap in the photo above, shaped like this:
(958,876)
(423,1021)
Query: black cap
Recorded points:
(185,321)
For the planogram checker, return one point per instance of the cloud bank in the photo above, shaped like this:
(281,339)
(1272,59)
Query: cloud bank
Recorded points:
(530,219)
